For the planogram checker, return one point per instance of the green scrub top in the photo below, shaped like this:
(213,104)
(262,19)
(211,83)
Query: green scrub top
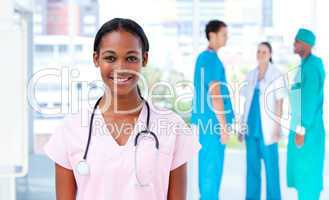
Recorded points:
(305,164)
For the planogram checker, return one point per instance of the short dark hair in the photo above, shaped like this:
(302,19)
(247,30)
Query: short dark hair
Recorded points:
(214,26)
(122,24)
(269,46)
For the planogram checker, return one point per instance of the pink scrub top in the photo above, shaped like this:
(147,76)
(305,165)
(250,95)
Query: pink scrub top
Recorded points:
(113,168)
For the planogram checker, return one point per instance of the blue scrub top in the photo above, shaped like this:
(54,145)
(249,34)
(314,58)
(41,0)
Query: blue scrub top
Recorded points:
(254,116)
(209,68)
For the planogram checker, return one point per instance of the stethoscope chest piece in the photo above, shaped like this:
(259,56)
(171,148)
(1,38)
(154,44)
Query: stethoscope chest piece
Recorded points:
(83,168)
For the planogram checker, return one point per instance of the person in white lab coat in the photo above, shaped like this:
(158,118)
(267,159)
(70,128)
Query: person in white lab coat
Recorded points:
(264,91)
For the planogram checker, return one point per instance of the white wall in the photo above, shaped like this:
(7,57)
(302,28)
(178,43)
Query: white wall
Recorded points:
(13,129)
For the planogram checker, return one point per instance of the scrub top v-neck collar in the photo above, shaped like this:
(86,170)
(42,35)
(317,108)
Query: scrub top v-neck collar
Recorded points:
(138,126)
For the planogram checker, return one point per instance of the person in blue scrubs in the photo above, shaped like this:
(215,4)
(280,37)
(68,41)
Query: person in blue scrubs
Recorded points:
(212,111)
(264,92)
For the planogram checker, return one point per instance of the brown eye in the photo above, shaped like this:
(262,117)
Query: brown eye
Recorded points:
(110,58)
(132,59)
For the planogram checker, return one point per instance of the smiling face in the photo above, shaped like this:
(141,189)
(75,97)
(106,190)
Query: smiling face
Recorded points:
(120,59)
(263,54)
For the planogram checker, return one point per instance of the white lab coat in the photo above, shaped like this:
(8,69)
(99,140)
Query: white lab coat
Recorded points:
(272,87)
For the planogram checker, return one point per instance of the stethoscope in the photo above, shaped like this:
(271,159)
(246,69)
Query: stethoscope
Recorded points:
(83,167)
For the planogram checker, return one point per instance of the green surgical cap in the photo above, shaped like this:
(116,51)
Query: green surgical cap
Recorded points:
(306,36)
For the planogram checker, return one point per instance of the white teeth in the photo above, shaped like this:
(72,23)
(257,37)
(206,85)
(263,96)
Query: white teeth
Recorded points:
(120,80)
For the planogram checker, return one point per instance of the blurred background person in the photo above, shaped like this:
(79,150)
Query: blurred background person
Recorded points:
(212,109)
(306,144)
(264,91)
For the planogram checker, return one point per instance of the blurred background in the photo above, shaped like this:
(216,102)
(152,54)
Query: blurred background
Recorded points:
(46,53)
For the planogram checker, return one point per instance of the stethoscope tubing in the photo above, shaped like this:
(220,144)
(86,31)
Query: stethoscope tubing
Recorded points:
(84,164)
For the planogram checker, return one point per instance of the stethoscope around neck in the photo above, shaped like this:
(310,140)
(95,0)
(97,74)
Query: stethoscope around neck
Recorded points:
(83,168)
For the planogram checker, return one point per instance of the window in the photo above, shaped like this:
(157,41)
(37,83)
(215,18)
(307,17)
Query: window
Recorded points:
(62,48)
(89,29)
(89,19)
(37,29)
(44,48)
(78,48)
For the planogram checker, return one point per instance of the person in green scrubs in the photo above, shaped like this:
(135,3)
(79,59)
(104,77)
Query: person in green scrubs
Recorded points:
(306,146)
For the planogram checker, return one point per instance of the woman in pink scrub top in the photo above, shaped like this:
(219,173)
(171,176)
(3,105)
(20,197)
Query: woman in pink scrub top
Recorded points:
(116,165)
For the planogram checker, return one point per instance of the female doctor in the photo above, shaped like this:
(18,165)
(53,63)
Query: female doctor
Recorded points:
(264,90)
(107,160)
